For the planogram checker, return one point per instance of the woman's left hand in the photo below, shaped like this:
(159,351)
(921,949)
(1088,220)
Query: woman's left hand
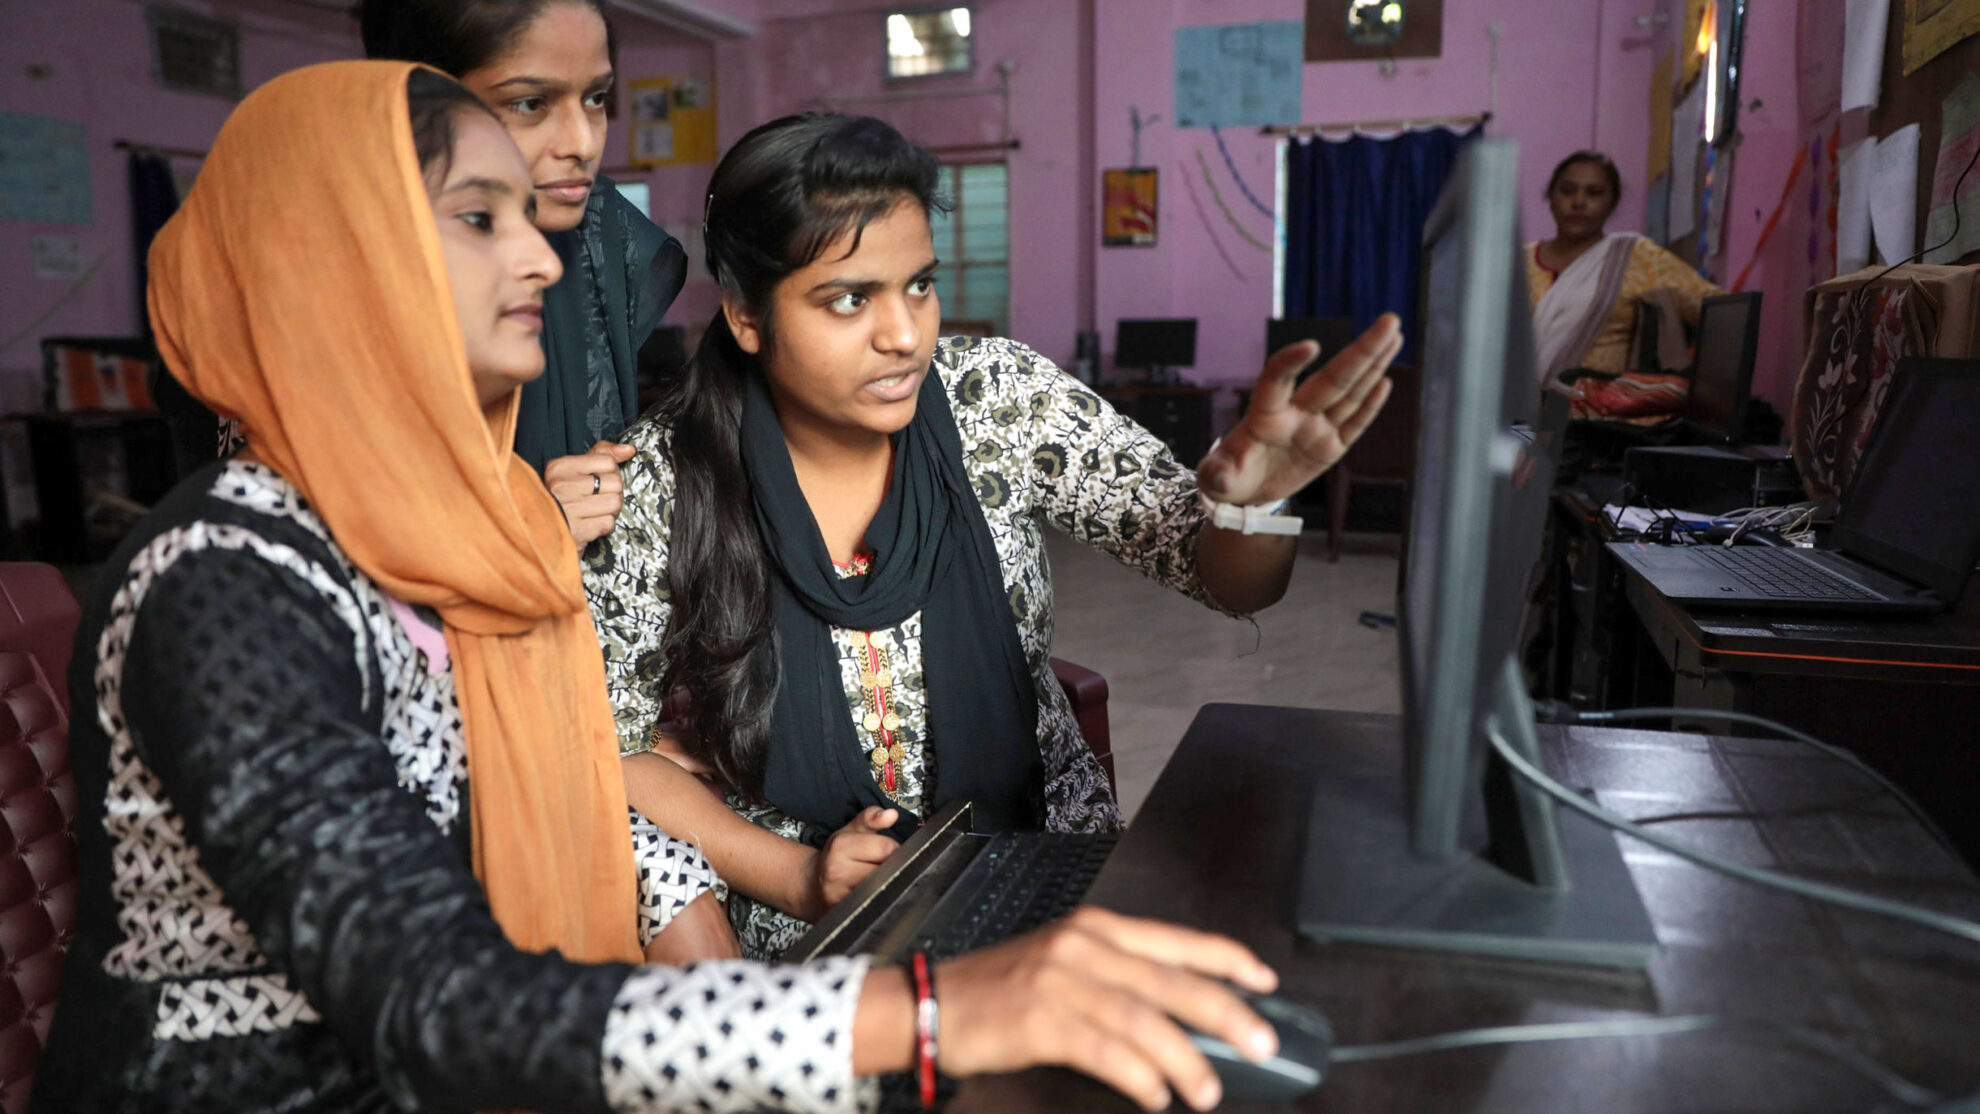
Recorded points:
(1290,436)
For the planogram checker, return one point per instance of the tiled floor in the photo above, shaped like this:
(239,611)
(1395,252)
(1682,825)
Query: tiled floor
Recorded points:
(1164,656)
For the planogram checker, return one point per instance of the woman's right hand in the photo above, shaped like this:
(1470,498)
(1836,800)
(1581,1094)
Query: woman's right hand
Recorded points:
(589,490)
(1102,994)
(848,857)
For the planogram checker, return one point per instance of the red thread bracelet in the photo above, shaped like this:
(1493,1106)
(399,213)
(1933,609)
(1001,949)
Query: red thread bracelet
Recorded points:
(927,1026)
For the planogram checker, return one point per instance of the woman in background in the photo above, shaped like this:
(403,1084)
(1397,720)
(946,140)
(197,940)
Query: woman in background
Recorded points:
(544,67)
(351,827)
(1586,284)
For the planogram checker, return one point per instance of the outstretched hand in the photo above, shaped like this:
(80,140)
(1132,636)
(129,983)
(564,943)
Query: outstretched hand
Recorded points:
(1295,431)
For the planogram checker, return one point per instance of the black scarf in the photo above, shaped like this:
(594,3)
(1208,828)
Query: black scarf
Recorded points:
(932,553)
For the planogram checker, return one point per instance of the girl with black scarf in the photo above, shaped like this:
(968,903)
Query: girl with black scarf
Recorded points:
(830,564)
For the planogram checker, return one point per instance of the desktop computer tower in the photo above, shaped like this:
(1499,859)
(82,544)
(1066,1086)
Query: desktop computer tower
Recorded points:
(1709,479)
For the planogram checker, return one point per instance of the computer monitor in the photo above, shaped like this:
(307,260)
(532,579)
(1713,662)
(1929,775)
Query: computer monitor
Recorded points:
(1155,343)
(1333,333)
(1449,851)
(1722,375)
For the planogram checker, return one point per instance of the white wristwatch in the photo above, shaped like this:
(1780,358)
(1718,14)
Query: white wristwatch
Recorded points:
(1252,520)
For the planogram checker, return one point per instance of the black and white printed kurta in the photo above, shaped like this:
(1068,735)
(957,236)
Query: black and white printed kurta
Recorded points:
(1039,448)
(278,910)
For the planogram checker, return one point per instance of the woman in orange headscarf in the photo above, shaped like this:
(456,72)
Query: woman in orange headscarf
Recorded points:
(352,831)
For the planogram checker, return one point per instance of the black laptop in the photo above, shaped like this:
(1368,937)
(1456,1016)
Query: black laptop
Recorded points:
(1906,536)
(949,890)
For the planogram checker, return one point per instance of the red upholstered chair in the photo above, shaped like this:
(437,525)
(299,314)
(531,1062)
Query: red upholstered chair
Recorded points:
(37,817)
(1087,692)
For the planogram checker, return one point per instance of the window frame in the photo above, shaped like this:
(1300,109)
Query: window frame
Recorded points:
(887,74)
(952,255)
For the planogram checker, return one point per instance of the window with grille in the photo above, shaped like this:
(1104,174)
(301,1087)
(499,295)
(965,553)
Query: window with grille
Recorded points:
(924,43)
(974,244)
(193,54)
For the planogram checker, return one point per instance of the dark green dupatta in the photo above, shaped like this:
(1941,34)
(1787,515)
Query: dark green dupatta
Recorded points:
(635,269)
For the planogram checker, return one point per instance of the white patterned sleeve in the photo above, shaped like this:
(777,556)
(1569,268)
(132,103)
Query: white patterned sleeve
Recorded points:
(737,1036)
(672,872)
(625,580)
(1104,479)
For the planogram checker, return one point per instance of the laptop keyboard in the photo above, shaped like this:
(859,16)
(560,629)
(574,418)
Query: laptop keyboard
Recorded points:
(1778,572)
(1018,881)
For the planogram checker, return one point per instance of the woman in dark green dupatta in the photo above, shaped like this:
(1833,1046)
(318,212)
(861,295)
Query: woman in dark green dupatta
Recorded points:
(545,68)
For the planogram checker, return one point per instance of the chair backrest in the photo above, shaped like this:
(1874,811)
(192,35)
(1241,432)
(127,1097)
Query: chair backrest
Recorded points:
(1855,339)
(38,616)
(37,816)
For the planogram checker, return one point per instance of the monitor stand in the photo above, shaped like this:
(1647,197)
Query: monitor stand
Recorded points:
(1361,883)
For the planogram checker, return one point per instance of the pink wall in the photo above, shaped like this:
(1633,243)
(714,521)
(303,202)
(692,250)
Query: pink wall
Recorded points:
(1570,75)
(818,54)
(1769,136)
(97,60)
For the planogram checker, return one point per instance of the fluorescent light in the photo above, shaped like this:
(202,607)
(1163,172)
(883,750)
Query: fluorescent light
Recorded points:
(1712,93)
(959,19)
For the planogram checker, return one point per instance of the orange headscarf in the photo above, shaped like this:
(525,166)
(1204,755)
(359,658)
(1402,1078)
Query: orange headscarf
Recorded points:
(301,289)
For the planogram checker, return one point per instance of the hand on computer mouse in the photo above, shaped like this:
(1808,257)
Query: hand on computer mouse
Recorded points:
(1106,995)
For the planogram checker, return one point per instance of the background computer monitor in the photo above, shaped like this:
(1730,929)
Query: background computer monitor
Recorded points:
(1722,375)
(1450,852)
(1333,333)
(1155,343)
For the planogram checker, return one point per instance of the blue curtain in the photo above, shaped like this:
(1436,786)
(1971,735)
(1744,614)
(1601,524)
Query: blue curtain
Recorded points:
(1354,224)
(154,198)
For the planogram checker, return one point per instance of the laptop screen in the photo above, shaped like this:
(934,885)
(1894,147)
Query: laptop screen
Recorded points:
(1914,505)
(1728,332)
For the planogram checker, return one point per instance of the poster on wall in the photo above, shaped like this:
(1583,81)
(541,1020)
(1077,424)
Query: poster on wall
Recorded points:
(44,171)
(1932,27)
(1238,75)
(673,121)
(1959,140)
(1657,162)
(1127,207)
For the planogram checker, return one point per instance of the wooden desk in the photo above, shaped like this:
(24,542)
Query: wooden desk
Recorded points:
(1217,845)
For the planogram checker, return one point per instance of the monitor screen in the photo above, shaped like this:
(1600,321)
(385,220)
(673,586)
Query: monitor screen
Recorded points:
(1333,333)
(1914,505)
(1722,375)
(1451,852)
(1155,342)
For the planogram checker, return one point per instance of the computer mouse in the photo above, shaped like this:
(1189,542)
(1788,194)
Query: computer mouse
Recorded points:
(1306,1042)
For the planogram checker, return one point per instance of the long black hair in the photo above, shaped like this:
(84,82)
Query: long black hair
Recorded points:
(456,36)
(782,195)
(434,102)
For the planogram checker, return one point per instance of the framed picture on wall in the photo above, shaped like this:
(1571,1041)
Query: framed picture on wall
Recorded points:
(1127,207)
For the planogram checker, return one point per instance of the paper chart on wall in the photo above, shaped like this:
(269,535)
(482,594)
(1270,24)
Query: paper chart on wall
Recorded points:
(1864,24)
(44,171)
(1240,74)
(1959,139)
(1687,130)
(1853,207)
(1894,195)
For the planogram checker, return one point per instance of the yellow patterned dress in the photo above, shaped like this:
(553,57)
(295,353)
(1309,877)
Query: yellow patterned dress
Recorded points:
(1641,398)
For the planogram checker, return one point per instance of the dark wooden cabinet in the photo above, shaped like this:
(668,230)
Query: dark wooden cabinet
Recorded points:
(1180,416)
